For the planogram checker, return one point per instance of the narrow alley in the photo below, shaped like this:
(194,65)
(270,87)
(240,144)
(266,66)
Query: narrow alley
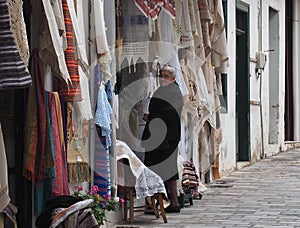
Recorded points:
(265,194)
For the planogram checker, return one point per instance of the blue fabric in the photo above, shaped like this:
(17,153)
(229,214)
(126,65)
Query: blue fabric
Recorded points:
(102,115)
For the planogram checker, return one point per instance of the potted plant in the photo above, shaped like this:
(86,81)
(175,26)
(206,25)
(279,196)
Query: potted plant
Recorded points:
(101,203)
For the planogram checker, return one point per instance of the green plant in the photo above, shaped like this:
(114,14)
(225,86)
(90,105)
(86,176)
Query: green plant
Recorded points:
(100,204)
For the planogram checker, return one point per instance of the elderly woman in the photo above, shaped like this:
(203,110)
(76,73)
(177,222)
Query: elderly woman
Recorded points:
(162,133)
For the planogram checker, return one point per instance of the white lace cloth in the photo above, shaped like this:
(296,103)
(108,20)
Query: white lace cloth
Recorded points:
(147,182)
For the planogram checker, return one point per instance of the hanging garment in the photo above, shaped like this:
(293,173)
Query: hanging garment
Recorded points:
(152,8)
(219,53)
(101,40)
(4,197)
(14,74)
(18,28)
(78,38)
(70,92)
(101,155)
(83,108)
(52,41)
(37,153)
(78,146)
(102,115)
(101,164)
(60,181)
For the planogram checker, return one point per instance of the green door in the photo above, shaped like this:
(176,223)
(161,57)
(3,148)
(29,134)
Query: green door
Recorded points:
(242,83)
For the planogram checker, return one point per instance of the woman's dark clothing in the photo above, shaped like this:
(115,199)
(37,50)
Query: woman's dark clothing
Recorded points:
(161,149)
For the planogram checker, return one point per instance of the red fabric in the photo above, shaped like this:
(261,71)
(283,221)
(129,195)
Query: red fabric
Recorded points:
(73,92)
(152,8)
(60,182)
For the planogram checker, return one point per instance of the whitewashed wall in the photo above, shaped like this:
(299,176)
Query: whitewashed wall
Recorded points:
(228,147)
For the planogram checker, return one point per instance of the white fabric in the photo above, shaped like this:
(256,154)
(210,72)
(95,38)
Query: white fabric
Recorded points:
(84,106)
(4,197)
(147,182)
(115,107)
(101,40)
(168,49)
(52,46)
(219,44)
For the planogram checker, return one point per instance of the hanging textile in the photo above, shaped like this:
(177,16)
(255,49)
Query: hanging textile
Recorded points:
(18,28)
(14,74)
(52,40)
(101,40)
(78,148)
(70,92)
(152,8)
(133,38)
(102,143)
(37,149)
(102,115)
(101,164)
(4,197)
(219,44)
(60,181)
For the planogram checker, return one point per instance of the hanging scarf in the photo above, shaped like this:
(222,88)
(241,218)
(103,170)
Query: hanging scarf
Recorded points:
(37,148)
(73,92)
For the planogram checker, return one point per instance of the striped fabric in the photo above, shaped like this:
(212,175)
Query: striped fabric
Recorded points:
(101,155)
(73,91)
(13,72)
(101,164)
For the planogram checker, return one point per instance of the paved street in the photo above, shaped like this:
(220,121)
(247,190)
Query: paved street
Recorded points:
(265,194)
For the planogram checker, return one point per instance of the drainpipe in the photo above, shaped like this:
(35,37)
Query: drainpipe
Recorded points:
(260,80)
(296,56)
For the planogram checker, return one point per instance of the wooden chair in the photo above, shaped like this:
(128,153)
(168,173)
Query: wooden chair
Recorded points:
(130,191)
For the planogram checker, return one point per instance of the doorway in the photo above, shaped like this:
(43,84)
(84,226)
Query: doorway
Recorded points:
(242,82)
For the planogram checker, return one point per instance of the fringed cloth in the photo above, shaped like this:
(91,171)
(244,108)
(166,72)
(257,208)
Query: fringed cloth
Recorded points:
(14,74)
(59,184)
(78,148)
(37,150)
(73,92)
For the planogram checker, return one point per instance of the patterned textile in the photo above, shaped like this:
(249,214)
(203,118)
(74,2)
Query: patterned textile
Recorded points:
(78,148)
(147,182)
(101,164)
(12,69)
(18,28)
(77,215)
(37,153)
(101,154)
(60,182)
(189,176)
(73,92)
(10,211)
(152,8)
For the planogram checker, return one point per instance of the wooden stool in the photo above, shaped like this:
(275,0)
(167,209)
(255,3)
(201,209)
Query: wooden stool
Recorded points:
(146,208)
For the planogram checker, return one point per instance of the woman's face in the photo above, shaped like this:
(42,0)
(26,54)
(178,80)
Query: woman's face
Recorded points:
(165,78)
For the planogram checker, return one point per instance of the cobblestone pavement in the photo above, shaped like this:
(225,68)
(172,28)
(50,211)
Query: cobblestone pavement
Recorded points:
(265,194)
